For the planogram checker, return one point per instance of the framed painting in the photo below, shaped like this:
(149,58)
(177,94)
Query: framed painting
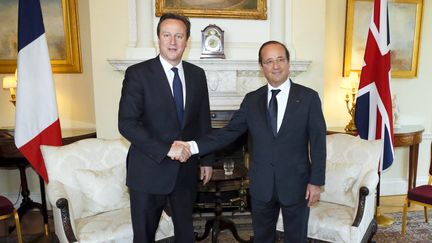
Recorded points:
(61,29)
(242,9)
(405,24)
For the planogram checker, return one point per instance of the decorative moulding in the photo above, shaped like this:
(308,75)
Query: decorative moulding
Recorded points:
(228,80)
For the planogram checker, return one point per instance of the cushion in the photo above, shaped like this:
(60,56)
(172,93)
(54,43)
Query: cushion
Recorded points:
(102,227)
(330,222)
(6,207)
(103,190)
(340,179)
(421,194)
(88,154)
(349,157)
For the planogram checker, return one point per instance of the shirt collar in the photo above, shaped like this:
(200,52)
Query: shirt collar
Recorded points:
(167,66)
(283,87)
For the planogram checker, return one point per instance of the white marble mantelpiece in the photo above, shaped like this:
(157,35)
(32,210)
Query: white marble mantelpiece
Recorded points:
(228,80)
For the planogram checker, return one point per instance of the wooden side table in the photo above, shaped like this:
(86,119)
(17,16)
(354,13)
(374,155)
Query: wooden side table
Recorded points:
(219,223)
(410,136)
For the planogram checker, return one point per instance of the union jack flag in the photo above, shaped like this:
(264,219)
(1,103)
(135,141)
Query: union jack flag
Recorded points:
(373,115)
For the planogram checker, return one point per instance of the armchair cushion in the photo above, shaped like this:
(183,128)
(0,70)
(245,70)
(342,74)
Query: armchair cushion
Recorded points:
(349,159)
(102,227)
(331,222)
(90,154)
(104,190)
(340,178)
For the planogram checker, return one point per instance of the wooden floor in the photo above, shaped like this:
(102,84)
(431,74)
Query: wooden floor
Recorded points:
(33,223)
(394,204)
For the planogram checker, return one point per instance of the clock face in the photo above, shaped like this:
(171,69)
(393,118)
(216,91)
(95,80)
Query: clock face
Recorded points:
(213,43)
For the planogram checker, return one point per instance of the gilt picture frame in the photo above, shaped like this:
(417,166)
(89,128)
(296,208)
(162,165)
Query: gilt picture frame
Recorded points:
(405,18)
(61,29)
(241,9)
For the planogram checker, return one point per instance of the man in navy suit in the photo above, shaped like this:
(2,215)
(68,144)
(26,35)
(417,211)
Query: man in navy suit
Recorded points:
(164,99)
(288,134)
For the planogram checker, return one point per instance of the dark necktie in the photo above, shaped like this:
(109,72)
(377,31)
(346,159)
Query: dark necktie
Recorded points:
(178,95)
(272,109)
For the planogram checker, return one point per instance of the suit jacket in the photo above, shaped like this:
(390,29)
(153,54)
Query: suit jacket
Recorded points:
(289,161)
(148,119)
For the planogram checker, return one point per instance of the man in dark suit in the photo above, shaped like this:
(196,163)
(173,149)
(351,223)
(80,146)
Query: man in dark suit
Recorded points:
(288,134)
(164,99)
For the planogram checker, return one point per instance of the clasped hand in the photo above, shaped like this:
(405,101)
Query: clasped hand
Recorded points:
(180,151)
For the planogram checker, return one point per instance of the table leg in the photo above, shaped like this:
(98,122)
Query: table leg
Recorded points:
(229,224)
(414,150)
(208,227)
(413,162)
(27,203)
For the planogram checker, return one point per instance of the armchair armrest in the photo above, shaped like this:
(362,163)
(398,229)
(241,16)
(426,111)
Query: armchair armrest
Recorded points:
(370,180)
(62,204)
(58,198)
(367,185)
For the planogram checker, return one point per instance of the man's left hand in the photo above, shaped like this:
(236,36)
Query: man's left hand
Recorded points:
(312,194)
(206,173)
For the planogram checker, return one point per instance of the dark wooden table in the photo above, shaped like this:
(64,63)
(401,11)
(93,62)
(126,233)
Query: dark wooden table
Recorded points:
(11,158)
(410,136)
(219,223)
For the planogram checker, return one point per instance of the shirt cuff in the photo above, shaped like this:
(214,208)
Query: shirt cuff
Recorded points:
(194,147)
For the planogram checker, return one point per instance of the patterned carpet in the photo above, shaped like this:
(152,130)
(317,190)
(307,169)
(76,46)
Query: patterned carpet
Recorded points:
(417,231)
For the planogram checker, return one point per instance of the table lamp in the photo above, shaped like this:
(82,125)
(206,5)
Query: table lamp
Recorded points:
(350,85)
(10,82)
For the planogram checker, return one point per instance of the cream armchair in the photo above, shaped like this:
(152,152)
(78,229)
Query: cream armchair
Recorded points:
(345,212)
(88,193)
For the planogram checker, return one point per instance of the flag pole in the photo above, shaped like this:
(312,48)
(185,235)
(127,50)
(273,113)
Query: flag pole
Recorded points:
(381,219)
(44,205)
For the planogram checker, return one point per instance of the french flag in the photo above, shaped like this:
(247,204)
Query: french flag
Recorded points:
(373,115)
(37,120)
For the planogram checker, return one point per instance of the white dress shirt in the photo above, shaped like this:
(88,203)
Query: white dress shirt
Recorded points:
(282,100)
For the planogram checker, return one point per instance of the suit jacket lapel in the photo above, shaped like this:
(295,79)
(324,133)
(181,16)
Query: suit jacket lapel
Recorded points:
(263,108)
(292,104)
(162,84)
(189,92)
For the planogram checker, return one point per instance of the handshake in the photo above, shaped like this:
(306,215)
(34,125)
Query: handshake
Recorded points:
(180,151)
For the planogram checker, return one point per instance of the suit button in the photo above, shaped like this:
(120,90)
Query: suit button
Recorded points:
(272,165)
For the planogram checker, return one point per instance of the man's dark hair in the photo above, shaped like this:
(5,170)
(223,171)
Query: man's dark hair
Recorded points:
(180,17)
(270,43)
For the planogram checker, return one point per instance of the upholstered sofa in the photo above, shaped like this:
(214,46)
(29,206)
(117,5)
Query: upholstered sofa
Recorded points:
(88,194)
(345,212)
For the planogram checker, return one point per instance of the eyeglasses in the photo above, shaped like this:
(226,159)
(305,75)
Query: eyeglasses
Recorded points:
(270,62)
